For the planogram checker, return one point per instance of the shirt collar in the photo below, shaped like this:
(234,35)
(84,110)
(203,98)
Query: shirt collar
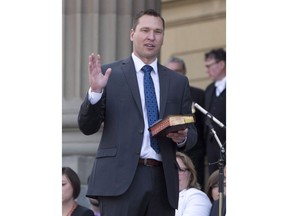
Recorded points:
(182,192)
(138,63)
(221,83)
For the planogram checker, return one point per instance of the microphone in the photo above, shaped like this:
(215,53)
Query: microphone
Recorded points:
(209,115)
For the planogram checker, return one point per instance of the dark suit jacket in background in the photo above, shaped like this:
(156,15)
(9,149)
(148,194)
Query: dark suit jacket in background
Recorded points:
(197,153)
(215,208)
(217,107)
(120,109)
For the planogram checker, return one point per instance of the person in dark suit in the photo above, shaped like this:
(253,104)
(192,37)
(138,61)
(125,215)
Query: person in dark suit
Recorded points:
(130,177)
(71,187)
(215,104)
(215,207)
(197,153)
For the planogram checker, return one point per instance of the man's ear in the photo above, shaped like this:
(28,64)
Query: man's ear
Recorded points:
(131,34)
(222,64)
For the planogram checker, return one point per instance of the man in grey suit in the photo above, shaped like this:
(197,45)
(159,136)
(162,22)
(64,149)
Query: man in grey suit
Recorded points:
(129,177)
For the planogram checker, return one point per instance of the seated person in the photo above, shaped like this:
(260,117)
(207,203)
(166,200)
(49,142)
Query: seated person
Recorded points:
(212,191)
(70,191)
(192,201)
(215,207)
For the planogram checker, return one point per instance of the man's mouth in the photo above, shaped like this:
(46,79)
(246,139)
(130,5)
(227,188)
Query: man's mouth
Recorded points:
(149,45)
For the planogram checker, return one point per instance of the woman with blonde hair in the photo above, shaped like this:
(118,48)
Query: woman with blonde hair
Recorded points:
(192,201)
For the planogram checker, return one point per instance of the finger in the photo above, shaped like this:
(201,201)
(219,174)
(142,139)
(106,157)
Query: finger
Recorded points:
(108,72)
(91,64)
(183,132)
(98,63)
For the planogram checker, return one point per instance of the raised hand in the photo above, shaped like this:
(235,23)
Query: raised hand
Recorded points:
(97,80)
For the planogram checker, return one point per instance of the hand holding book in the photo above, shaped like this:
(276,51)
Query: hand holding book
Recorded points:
(171,123)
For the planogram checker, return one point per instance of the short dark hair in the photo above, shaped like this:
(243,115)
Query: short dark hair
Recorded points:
(217,54)
(150,12)
(74,179)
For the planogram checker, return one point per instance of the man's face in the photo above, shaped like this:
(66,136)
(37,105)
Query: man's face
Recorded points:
(215,69)
(147,38)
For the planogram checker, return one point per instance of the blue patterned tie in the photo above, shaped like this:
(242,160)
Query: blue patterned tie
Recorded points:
(151,103)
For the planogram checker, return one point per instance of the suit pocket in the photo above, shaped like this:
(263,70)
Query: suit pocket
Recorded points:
(111,152)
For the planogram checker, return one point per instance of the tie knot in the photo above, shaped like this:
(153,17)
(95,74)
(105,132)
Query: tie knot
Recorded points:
(147,68)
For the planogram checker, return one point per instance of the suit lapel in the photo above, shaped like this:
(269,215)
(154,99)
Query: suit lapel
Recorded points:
(164,85)
(130,75)
(209,95)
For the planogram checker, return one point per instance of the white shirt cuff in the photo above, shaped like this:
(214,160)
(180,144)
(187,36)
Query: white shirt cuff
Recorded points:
(182,143)
(94,97)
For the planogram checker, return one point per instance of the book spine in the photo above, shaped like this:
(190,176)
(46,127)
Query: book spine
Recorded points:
(160,126)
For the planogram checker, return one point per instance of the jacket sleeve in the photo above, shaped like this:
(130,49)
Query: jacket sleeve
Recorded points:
(90,116)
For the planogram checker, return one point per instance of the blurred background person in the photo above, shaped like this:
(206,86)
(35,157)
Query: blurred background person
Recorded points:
(212,191)
(70,192)
(215,104)
(192,201)
(197,153)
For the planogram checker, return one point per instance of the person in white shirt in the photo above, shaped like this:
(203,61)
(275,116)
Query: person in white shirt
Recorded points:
(192,201)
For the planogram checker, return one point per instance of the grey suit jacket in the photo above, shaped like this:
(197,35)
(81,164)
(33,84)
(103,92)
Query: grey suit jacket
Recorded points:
(120,110)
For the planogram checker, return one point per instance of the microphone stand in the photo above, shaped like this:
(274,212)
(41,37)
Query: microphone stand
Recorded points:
(220,164)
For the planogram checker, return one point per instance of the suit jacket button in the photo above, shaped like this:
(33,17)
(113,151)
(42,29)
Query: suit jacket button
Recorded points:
(141,131)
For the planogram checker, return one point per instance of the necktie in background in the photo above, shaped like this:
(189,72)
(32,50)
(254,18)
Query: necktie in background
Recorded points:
(151,103)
